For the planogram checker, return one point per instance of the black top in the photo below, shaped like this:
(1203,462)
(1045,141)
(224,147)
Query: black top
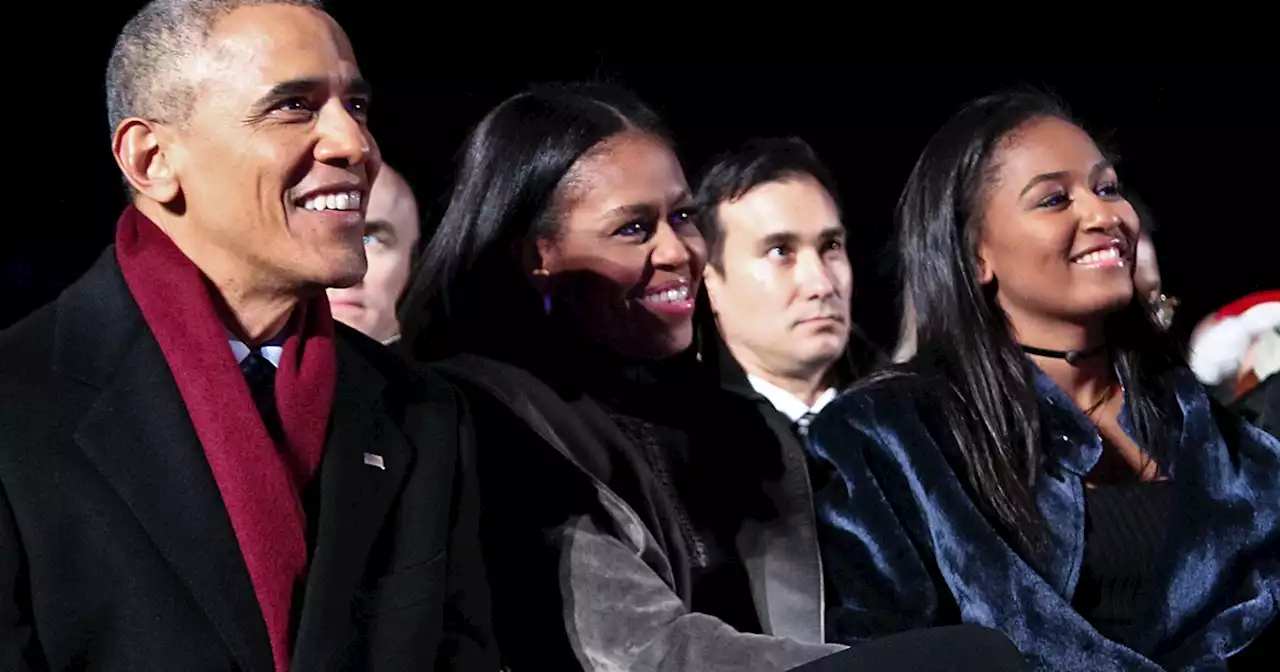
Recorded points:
(666,412)
(1124,531)
(1261,405)
(681,451)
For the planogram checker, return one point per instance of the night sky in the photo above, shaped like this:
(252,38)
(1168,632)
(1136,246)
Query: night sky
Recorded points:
(1195,142)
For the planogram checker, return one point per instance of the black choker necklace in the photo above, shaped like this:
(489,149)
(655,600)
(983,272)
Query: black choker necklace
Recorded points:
(1072,356)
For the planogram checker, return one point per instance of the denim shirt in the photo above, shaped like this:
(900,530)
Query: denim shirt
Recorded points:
(906,546)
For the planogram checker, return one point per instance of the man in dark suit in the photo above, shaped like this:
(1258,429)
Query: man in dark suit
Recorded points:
(199,470)
(777,325)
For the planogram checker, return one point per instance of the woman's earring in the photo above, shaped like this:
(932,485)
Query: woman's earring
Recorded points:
(1163,306)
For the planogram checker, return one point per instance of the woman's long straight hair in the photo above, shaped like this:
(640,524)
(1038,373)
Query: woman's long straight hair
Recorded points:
(962,336)
(469,291)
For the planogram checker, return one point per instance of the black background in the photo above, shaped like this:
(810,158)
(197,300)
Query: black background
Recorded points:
(1197,141)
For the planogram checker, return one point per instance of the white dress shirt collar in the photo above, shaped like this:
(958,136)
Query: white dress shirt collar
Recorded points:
(271,353)
(786,403)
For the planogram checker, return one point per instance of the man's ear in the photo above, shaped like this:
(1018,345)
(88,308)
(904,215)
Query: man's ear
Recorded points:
(142,153)
(545,255)
(711,284)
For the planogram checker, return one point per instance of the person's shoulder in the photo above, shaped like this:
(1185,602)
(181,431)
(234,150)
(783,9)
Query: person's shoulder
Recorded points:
(29,336)
(26,367)
(92,318)
(500,381)
(891,393)
(1246,423)
(82,311)
(404,379)
(40,397)
(473,366)
(895,411)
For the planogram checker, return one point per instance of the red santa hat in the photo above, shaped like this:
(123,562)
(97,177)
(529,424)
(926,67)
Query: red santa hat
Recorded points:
(1221,341)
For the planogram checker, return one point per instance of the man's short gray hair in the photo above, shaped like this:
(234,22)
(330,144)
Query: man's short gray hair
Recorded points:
(145,74)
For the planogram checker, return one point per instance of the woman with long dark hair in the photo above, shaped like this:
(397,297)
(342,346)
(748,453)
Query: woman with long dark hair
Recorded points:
(1044,464)
(558,292)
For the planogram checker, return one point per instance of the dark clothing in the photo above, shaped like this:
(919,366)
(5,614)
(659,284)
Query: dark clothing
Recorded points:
(260,374)
(718,580)
(1124,533)
(116,551)
(956,648)
(1261,405)
(796,595)
(625,553)
(666,523)
(675,422)
(906,544)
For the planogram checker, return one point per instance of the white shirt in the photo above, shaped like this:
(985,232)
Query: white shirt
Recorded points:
(271,353)
(786,403)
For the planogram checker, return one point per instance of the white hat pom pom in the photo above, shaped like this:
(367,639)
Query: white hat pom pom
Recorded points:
(1217,350)
(1266,356)
(1216,353)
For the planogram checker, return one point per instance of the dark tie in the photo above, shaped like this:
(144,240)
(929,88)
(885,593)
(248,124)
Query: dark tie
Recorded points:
(802,424)
(261,376)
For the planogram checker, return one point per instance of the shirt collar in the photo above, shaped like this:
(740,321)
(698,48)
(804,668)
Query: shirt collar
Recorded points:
(271,351)
(786,403)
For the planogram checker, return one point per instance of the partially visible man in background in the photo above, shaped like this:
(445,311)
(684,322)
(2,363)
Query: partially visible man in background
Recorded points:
(391,234)
(777,326)
(779,280)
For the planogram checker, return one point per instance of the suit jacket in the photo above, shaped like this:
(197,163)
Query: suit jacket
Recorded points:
(116,552)
(781,552)
(906,546)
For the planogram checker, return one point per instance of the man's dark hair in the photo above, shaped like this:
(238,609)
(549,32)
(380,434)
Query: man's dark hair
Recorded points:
(145,76)
(758,161)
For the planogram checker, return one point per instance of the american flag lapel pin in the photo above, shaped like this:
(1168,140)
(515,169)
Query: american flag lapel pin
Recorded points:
(375,461)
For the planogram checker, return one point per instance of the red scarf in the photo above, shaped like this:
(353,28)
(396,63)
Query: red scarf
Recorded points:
(259,481)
